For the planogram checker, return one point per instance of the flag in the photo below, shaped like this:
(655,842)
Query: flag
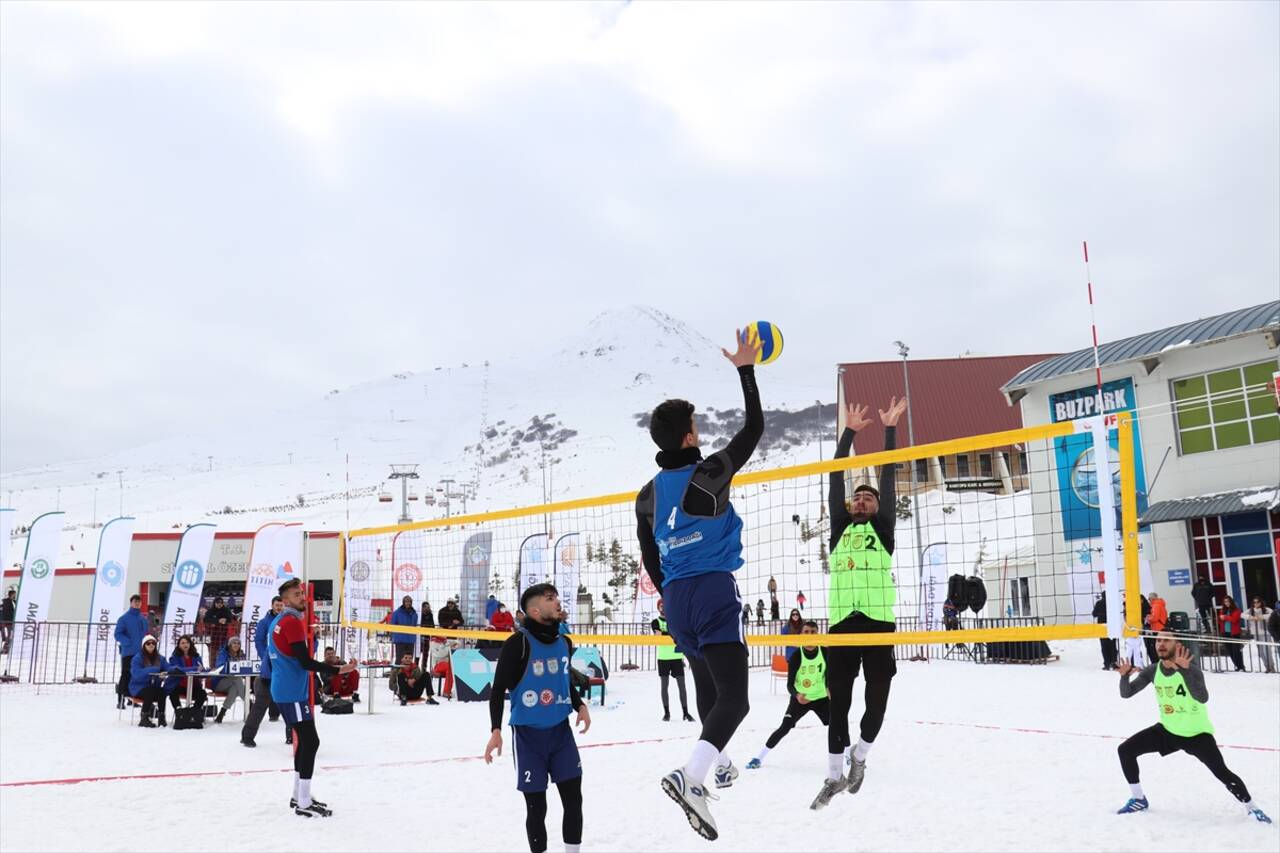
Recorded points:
(108,601)
(187,585)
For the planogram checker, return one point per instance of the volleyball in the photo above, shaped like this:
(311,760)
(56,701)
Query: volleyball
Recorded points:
(769,337)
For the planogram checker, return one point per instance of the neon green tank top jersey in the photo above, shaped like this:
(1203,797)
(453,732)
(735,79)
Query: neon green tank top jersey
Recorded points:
(1179,713)
(860,576)
(667,652)
(811,676)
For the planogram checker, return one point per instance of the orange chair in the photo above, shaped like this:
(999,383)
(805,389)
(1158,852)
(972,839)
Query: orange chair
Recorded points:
(777,670)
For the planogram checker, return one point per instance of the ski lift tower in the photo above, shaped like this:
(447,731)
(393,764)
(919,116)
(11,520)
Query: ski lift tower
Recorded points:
(404,473)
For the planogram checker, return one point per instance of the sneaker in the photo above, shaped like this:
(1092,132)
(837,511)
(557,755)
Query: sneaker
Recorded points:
(288,735)
(725,776)
(753,764)
(857,771)
(119,703)
(692,797)
(431,701)
(687,718)
(249,742)
(313,810)
(355,697)
(293,803)
(830,787)
(1135,804)
(146,723)
(222,712)
(1259,815)
(666,716)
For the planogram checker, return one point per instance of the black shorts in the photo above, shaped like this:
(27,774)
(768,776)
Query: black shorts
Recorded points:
(877,661)
(671,667)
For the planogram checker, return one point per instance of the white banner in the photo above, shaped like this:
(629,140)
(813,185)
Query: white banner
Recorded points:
(35,586)
(260,582)
(362,558)
(566,574)
(533,561)
(6,525)
(408,550)
(187,585)
(108,602)
(1107,512)
(646,598)
(933,586)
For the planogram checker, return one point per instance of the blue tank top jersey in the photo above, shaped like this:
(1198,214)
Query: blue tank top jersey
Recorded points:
(288,678)
(690,545)
(541,699)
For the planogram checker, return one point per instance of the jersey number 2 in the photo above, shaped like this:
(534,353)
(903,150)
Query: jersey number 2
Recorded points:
(526,776)
(671,520)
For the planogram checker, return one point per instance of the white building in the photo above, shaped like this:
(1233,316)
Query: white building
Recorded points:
(1209,459)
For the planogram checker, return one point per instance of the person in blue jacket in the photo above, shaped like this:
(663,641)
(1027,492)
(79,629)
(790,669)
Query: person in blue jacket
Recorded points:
(233,686)
(147,666)
(405,614)
(262,684)
(131,627)
(491,607)
(185,658)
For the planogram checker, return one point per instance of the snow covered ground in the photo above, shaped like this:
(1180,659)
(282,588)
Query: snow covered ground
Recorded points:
(970,758)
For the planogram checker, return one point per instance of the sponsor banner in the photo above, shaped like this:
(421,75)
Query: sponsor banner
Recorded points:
(933,586)
(567,560)
(473,585)
(187,584)
(645,608)
(534,566)
(408,553)
(362,559)
(260,582)
(108,602)
(35,585)
(473,673)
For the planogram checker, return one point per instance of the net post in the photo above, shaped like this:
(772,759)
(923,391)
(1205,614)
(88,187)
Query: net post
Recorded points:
(1129,525)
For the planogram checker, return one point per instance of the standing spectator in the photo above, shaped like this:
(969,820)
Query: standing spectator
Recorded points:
(409,681)
(233,686)
(1230,621)
(185,659)
(746,615)
(404,615)
(8,613)
(1258,616)
(800,599)
(146,665)
(670,664)
(262,702)
(793,625)
(490,607)
(218,621)
(1202,595)
(773,608)
(131,630)
(773,587)
(1109,650)
(502,620)
(760,611)
(426,619)
(1155,622)
(344,683)
(449,616)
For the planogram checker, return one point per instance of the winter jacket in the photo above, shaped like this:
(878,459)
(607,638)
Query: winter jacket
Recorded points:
(502,621)
(177,662)
(439,650)
(491,607)
(262,636)
(8,610)
(223,664)
(140,676)
(1159,615)
(1229,620)
(131,628)
(449,617)
(1257,621)
(1202,595)
(787,629)
(1100,608)
(404,616)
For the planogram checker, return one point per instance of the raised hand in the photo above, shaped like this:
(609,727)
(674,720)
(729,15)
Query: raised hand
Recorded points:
(1181,656)
(855,416)
(1124,667)
(746,354)
(896,408)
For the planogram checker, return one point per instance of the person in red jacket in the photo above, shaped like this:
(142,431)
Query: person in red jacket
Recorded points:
(1229,622)
(502,620)
(1156,620)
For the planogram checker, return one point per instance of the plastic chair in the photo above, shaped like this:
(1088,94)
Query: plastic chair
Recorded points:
(777,670)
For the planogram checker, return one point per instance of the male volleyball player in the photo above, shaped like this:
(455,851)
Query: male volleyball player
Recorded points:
(691,540)
(860,599)
(807,684)
(1184,722)
(291,660)
(534,666)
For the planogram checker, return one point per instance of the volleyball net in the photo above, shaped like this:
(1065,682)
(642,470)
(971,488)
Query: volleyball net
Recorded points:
(1036,533)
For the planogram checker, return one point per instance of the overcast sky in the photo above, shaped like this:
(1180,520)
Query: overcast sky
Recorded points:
(208,208)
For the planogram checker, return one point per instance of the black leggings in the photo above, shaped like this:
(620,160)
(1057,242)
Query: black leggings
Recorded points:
(306,743)
(667,669)
(720,687)
(1202,747)
(821,707)
(1235,651)
(150,695)
(198,697)
(844,663)
(535,819)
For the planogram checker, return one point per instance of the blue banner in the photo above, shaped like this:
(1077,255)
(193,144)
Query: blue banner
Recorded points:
(1077,470)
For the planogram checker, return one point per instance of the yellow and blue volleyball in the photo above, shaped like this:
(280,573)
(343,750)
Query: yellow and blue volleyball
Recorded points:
(769,337)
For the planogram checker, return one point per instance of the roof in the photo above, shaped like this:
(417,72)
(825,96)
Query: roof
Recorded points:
(950,397)
(1254,499)
(1195,333)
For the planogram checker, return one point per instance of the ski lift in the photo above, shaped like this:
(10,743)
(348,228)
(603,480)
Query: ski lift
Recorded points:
(384,497)
(413,496)
(429,500)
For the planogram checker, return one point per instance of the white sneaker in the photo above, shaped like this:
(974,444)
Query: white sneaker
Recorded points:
(692,797)
(830,787)
(725,776)
(857,772)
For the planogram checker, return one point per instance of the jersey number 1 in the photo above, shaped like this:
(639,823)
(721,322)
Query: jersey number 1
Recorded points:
(671,520)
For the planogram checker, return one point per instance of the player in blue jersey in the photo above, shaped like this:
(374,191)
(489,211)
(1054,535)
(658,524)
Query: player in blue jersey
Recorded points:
(291,665)
(691,541)
(534,666)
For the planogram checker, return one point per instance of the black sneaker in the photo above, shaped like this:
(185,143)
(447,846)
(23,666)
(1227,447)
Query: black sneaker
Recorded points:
(404,702)
(687,718)
(293,803)
(119,703)
(222,712)
(666,716)
(249,742)
(431,701)
(146,723)
(355,697)
(288,736)
(313,810)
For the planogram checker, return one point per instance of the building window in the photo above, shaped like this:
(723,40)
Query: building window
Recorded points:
(1219,540)
(922,470)
(1022,462)
(942,466)
(962,466)
(984,465)
(1226,408)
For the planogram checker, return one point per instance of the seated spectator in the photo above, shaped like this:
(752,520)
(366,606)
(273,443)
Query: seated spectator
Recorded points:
(439,663)
(502,620)
(233,686)
(409,681)
(218,620)
(343,684)
(185,658)
(144,681)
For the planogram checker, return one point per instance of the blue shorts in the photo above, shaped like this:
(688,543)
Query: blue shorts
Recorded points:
(296,712)
(539,753)
(703,610)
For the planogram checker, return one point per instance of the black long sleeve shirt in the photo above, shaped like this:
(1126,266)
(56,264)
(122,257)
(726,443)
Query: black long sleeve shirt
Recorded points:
(708,493)
(513,659)
(885,519)
(1193,676)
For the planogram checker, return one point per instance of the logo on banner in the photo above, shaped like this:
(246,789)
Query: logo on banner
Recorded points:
(538,669)
(263,573)
(360,571)
(646,584)
(112,573)
(569,555)
(39,568)
(285,571)
(547,697)
(190,574)
(477,554)
(408,576)
(529,698)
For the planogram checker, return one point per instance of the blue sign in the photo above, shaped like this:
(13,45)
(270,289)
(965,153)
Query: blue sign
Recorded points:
(473,673)
(190,574)
(1079,477)
(112,573)
(1179,577)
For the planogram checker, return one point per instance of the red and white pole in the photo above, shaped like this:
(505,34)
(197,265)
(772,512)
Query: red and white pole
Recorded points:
(1093,321)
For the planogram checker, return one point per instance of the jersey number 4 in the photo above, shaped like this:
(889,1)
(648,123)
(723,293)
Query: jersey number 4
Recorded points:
(671,519)
(1181,691)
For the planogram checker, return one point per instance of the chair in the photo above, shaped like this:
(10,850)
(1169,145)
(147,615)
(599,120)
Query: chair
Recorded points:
(583,659)
(777,670)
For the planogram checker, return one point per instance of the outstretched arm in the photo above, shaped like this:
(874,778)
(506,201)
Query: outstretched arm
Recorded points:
(887,517)
(855,418)
(649,553)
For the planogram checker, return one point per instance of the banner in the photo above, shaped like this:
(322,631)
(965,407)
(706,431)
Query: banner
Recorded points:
(260,582)
(533,561)
(35,585)
(362,558)
(187,584)
(566,574)
(1078,473)
(108,601)
(408,550)
(473,586)
(645,608)
(933,586)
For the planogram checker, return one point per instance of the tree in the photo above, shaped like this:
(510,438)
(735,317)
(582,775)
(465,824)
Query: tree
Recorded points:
(822,555)
(620,572)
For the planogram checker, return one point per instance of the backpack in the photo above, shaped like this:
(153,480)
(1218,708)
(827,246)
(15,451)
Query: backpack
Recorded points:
(958,593)
(338,705)
(190,717)
(976,593)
